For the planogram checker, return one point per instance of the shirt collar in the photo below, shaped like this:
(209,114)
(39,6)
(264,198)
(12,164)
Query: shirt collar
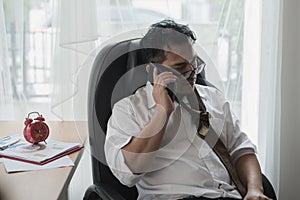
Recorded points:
(151,102)
(149,89)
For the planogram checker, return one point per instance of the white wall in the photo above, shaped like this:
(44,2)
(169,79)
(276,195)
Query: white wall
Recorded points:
(290,123)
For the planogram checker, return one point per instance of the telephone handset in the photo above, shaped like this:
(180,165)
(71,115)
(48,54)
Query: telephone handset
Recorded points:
(171,88)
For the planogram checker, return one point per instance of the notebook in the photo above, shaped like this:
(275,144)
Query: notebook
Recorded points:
(40,153)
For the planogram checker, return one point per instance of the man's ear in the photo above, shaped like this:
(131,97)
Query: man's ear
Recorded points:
(147,68)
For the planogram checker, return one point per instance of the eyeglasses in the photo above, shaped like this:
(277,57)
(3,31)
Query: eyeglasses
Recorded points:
(198,65)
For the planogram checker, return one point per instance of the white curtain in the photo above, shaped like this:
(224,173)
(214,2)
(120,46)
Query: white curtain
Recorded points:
(75,35)
(69,37)
(14,12)
(77,27)
(261,106)
(5,78)
(270,89)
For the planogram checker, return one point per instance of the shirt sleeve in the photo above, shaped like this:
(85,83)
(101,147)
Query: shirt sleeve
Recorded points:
(122,125)
(236,141)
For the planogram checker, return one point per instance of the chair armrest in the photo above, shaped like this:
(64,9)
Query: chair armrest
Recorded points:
(268,188)
(102,192)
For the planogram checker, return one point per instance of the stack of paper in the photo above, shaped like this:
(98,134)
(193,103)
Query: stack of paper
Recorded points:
(19,166)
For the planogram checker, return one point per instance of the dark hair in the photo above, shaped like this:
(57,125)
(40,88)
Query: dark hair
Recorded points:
(163,34)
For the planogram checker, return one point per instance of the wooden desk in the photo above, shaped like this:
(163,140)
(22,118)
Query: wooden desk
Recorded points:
(43,184)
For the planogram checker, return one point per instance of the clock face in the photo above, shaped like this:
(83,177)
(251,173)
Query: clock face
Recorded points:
(39,131)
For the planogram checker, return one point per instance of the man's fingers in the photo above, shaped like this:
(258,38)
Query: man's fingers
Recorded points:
(163,76)
(164,82)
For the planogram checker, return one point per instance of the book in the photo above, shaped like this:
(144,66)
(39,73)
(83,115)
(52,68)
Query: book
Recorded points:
(40,153)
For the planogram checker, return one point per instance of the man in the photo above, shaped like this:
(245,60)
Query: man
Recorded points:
(152,139)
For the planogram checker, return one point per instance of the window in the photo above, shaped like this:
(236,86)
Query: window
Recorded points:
(217,23)
(30,48)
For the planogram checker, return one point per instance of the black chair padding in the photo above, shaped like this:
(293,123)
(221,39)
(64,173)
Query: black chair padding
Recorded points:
(268,188)
(109,67)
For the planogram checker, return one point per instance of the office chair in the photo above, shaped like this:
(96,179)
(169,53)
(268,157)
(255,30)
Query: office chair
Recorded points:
(117,71)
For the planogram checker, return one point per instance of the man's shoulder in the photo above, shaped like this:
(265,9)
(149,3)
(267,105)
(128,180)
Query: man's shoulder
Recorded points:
(208,90)
(140,96)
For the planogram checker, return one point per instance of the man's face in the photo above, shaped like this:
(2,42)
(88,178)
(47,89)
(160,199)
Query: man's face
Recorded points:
(180,57)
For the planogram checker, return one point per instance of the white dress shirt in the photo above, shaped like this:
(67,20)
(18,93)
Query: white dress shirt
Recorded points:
(184,165)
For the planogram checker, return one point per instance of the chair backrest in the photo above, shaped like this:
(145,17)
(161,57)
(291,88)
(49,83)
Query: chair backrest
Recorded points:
(111,63)
(117,71)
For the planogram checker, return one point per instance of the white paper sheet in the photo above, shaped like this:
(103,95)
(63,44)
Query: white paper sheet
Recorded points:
(18,166)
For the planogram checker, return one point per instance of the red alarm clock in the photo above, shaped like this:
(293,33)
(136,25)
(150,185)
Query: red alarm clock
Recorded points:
(36,130)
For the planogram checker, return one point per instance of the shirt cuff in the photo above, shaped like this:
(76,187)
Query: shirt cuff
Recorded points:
(241,152)
(123,173)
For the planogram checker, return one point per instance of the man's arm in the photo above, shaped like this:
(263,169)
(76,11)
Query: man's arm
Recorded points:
(138,153)
(250,174)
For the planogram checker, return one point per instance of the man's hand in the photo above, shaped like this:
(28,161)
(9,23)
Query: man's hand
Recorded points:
(160,93)
(253,194)
(250,174)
